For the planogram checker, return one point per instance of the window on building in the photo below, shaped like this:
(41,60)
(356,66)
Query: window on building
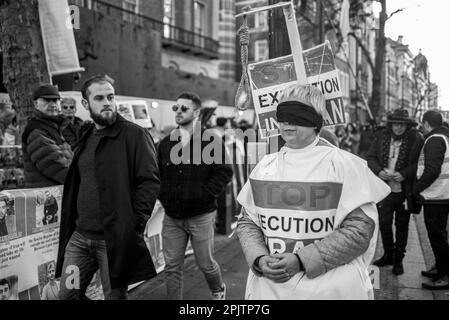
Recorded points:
(261,20)
(169,18)
(199,9)
(261,50)
(88,4)
(226,5)
(132,8)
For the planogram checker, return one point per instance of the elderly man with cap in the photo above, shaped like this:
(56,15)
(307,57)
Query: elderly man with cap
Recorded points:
(46,154)
(309,222)
(393,156)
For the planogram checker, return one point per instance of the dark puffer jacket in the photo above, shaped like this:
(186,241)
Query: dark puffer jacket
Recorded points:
(46,155)
(72,132)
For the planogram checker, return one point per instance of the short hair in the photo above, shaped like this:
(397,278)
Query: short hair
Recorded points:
(221,121)
(306,94)
(191,96)
(5,281)
(434,118)
(68,100)
(91,81)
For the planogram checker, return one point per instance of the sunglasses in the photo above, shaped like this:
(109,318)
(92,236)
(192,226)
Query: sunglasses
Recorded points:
(183,108)
(68,107)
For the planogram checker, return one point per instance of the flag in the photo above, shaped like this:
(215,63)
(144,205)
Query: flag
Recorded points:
(58,38)
(344,19)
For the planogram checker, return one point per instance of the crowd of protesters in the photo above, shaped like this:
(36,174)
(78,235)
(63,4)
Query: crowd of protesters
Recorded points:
(105,206)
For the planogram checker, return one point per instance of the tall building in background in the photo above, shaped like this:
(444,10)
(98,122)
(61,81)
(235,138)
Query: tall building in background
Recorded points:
(227,35)
(152,48)
(433,96)
(190,37)
(258,49)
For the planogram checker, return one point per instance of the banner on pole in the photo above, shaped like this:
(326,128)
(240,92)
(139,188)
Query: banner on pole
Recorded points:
(58,38)
(268,79)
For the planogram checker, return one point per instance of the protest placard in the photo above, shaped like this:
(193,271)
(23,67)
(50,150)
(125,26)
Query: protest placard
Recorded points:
(29,239)
(268,79)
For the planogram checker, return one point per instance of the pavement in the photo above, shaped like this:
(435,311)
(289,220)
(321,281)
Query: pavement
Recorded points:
(229,255)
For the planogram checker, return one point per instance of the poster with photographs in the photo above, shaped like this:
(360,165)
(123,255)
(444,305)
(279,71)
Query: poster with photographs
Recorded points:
(29,224)
(30,217)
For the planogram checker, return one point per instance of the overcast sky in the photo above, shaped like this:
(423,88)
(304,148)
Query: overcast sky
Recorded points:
(425,25)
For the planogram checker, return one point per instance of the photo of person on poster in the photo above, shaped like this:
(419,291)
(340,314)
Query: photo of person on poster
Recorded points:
(8,288)
(50,290)
(47,206)
(7,217)
(50,209)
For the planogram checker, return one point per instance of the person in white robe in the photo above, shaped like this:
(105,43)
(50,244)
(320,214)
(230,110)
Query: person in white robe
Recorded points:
(309,221)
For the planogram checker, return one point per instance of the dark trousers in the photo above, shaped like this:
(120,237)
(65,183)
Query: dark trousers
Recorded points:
(435,218)
(393,205)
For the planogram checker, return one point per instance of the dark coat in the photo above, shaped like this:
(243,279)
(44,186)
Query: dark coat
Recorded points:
(127,175)
(190,189)
(72,132)
(46,154)
(377,158)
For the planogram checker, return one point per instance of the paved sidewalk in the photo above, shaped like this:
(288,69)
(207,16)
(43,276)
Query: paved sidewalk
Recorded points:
(229,255)
(408,286)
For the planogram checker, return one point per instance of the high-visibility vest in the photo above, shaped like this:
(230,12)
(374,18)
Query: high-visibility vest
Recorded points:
(439,189)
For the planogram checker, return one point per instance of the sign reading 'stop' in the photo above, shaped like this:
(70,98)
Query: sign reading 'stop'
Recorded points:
(268,79)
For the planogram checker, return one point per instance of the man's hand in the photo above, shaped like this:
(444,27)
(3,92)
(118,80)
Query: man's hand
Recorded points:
(276,274)
(397,177)
(384,175)
(287,262)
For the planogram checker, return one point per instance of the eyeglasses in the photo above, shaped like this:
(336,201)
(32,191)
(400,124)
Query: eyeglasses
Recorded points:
(183,108)
(68,107)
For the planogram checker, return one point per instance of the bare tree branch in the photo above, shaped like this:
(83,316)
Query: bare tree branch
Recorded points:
(393,13)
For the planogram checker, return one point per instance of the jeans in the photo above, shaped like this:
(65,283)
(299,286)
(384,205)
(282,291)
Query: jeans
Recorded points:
(435,218)
(87,255)
(175,235)
(394,204)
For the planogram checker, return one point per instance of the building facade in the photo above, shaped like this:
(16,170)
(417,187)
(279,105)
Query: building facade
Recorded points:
(152,48)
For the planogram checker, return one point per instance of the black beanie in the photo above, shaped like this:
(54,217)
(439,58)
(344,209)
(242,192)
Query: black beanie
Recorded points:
(300,114)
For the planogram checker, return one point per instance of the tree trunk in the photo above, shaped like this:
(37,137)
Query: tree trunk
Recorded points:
(24,65)
(376,97)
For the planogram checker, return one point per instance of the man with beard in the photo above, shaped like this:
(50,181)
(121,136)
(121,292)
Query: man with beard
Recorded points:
(109,195)
(71,130)
(46,154)
(393,156)
(189,191)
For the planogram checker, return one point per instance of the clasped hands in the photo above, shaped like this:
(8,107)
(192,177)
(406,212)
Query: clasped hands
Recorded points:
(395,176)
(279,267)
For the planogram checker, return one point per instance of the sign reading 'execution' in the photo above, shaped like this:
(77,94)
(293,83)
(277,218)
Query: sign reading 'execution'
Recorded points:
(268,79)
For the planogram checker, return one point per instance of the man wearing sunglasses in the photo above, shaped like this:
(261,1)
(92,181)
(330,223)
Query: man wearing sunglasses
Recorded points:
(189,192)
(71,130)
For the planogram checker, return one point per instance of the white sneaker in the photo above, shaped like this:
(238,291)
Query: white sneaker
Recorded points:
(219,295)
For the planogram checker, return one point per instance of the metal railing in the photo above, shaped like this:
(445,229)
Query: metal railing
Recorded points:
(190,38)
(170,34)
